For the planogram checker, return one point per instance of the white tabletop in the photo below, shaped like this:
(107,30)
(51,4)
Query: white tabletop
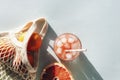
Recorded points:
(95,22)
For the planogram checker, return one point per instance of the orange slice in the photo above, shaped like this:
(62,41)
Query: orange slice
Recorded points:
(67,41)
(34,44)
(56,71)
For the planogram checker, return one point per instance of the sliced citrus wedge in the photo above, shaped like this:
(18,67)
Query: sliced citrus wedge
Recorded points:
(34,42)
(67,41)
(56,71)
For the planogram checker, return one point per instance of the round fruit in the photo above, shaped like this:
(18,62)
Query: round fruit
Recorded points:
(56,71)
(67,41)
(34,42)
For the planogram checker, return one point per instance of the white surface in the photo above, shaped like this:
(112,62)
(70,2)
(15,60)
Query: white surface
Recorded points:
(95,22)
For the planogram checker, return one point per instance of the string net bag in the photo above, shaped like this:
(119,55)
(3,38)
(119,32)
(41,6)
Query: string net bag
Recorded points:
(16,61)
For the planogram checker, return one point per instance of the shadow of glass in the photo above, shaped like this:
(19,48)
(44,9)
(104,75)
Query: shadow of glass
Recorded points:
(81,68)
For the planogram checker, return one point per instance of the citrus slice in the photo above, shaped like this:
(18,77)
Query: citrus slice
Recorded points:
(67,41)
(34,42)
(33,46)
(56,71)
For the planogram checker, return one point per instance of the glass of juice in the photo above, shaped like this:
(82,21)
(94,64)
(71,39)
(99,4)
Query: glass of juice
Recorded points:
(67,46)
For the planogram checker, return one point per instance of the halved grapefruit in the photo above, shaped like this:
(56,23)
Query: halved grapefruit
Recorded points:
(56,71)
(34,42)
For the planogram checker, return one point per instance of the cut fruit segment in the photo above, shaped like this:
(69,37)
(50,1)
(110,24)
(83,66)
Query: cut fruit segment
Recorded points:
(33,46)
(67,41)
(34,42)
(56,71)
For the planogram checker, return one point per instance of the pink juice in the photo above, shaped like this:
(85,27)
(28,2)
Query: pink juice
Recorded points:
(67,41)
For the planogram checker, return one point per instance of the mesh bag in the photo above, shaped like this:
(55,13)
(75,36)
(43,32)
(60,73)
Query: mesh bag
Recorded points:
(14,59)
(7,74)
(7,56)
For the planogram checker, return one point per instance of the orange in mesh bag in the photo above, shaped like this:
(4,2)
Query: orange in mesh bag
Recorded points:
(19,49)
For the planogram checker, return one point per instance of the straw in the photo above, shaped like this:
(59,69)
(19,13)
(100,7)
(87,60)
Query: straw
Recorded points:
(76,50)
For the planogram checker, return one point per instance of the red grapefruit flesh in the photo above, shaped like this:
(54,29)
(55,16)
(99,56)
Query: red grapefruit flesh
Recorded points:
(31,58)
(64,42)
(56,71)
(34,44)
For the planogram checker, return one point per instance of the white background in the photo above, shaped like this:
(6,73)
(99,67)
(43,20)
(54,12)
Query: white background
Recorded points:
(95,22)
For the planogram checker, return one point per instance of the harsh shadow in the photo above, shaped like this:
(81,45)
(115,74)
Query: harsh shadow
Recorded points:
(45,56)
(80,68)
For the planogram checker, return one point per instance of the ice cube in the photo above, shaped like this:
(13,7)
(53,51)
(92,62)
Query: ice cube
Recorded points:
(70,40)
(59,44)
(68,56)
(59,50)
(64,40)
(74,37)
